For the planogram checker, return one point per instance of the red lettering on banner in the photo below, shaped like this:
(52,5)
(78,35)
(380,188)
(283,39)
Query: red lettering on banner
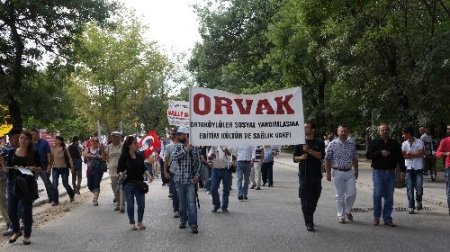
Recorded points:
(207,104)
(264,105)
(242,110)
(284,103)
(223,102)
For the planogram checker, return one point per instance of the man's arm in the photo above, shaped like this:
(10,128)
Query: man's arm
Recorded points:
(441,151)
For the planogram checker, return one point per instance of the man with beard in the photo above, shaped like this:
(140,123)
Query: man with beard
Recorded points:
(186,177)
(385,154)
(309,156)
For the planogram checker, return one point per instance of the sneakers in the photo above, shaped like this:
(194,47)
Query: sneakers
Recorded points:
(342,220)
(310,228)
(245,197)
(258,188)
(411,211)
(176,214)
(224,210)
(182,226)
(240,197)
(350,217)
(215,210)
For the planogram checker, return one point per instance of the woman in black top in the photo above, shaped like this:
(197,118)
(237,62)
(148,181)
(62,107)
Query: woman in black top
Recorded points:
(25,157)
(131,164)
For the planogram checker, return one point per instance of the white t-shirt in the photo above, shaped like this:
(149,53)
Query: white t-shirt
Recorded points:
(413,163)
(113,153)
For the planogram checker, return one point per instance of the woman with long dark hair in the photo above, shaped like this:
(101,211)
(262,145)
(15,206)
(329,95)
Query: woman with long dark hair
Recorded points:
(131,164)
(26,158)
(60,162)
(94,176)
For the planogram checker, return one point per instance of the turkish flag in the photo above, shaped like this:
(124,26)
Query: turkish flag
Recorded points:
(149,143)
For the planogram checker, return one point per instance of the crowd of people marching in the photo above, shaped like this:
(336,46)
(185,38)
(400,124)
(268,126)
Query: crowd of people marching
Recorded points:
(184,168)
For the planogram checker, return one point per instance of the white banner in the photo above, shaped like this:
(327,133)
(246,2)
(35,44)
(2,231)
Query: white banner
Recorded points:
(222,118)
(178,113)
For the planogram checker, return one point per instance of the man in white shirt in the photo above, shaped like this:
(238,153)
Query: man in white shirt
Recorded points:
(221,161)
(113,151)
(413,150)
(244,157)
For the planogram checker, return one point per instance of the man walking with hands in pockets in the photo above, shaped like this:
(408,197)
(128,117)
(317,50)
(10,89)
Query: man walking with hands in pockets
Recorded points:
(341,155)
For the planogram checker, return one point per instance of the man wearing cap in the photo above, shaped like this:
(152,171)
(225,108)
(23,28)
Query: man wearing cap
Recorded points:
(6,183)
(113,151)
(186,177)
(170,166)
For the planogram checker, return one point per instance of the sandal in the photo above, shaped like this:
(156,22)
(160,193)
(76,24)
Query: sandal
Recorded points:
(140,226)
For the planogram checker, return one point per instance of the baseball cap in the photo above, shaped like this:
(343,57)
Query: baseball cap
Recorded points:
(14,131)
(183,130)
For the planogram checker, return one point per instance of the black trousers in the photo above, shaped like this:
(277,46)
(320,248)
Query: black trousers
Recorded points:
(267,173)
(309,193)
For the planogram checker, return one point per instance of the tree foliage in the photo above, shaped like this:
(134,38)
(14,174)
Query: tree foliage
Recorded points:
(358,62)
(28,29)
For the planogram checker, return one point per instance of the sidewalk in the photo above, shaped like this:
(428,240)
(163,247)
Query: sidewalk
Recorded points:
(433,192)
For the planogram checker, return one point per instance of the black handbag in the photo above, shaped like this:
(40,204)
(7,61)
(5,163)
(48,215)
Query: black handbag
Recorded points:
(25,187)
(142,187)
(99,165)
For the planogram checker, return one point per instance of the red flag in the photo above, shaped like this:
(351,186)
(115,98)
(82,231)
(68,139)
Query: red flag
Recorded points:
(149,143)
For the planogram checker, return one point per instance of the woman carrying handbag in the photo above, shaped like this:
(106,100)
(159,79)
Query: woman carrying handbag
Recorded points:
(131,164)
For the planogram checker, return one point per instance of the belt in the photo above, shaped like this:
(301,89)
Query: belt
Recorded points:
(341,169)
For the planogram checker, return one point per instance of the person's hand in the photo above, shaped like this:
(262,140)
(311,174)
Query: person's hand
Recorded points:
(195,180)
(304,156)
(306,148)
(167,175)
(356,175)
(328,176)
(385,153)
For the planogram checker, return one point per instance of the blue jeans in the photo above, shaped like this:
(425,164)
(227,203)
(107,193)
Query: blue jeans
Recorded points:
(414,180)
(383,187)
(19,209)
(218,175)
(173,191)
(188,208)
(45,176)
(447,182)
(131,192)
(64,172)
(243,173)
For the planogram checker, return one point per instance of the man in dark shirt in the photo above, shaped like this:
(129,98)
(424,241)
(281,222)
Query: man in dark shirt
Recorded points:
(43,148)
(309,156)
(385,154)
(75,152)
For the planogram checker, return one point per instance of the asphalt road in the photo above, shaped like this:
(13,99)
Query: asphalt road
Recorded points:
(270,220)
